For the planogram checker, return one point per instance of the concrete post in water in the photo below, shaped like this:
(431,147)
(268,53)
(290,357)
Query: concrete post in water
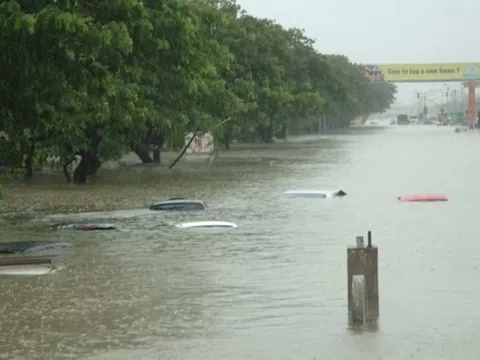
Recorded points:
(362,269)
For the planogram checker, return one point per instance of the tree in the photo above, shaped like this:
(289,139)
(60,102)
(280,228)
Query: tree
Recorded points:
(99,79)
(49,57)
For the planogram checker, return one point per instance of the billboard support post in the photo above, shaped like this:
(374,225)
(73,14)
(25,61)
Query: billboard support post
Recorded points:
(471,112)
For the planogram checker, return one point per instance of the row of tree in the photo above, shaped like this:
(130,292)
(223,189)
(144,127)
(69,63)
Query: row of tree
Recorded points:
(98,79)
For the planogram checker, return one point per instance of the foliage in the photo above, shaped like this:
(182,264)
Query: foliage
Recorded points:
(99,79)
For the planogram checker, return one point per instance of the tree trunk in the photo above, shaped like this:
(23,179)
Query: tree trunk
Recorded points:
(316,125)
(144,156)
(90,162)
(81,171)
(157,153)
(29,161)
(68,178)
(266,133)
(227,136)
(89,165)
(283,132)
(94,163)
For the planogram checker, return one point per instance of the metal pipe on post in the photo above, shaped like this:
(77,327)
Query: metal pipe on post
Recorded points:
(362,273)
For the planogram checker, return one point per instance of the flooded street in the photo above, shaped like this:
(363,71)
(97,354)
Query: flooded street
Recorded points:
(275,287)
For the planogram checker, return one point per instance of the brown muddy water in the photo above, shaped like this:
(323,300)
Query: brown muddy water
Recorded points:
(275,287)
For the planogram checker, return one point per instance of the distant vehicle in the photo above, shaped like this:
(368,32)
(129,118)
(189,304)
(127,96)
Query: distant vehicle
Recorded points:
(402,119)
(461,129)
(207,224)
(179,204)
(322,194)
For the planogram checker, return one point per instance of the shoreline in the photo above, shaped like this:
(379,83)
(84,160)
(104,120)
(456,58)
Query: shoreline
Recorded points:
(129,184)
(238,151)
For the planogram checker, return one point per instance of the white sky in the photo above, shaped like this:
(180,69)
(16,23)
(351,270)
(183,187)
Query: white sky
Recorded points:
(384,31)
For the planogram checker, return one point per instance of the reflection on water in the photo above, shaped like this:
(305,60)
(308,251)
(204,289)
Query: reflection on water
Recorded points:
(275,287)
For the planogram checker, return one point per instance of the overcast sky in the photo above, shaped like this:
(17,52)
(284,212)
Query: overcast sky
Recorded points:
(384,31)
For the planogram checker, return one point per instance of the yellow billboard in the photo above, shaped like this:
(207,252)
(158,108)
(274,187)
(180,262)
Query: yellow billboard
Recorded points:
(422,72)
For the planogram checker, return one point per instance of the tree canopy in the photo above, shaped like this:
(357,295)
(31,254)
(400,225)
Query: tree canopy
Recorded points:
(99,79)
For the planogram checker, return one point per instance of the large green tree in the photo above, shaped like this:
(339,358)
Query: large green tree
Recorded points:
(95,80)
(53,77)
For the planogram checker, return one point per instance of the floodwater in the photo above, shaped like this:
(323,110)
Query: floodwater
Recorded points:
(275,287)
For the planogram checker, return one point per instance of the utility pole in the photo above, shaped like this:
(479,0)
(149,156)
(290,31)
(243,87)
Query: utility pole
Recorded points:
(424,110)
(455,110)
(419,106)
(447,106)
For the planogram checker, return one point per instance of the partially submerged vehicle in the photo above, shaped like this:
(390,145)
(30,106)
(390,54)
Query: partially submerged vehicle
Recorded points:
(423,197)
(34,247)
(87,226)
(323,194)
(207,224)
(461,129)
(33,257)
(179,204)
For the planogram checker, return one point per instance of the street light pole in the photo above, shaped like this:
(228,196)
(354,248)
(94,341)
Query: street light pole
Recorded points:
(447,106)
(455,111)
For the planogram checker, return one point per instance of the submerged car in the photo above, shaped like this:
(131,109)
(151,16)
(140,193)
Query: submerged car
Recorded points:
(179,204)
